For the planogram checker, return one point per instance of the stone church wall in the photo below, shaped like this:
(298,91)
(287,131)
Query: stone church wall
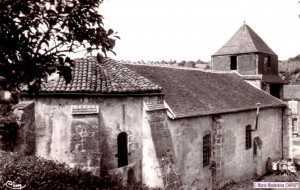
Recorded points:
(83,132)
(232,161)
(239,163)
(187,137)
(221,63)
(246,63)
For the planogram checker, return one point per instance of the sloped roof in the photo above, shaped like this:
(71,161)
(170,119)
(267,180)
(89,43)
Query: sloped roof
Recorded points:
(191,92)
(275,79)
(106,77)
(245,40)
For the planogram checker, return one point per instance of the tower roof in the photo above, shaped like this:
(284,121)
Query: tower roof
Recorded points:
(245,40)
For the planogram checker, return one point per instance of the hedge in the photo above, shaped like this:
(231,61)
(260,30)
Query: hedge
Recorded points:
(36,173)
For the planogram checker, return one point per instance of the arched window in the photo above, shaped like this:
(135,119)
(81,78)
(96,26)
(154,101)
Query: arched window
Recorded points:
(122,149)
(248,139)
(206,150)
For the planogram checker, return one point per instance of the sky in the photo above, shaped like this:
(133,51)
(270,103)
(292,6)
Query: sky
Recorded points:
(195,29)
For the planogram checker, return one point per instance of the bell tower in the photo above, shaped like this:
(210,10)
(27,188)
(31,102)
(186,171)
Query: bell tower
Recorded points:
(247,54)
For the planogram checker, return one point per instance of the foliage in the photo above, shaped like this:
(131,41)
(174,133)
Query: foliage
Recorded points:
(8,134)
(37,35)
(37,173)
(296,58)
(290,76)
(8,127)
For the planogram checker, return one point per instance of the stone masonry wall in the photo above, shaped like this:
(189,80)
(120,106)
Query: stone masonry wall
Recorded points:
(187,135)
(291,92)
(287,135)
(158,147)
(83,132)
(221,63)
(241,163)
(25,142)
(85,144)
(246,63)
(217,153)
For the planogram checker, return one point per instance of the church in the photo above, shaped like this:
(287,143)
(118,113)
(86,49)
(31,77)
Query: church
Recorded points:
(148,123)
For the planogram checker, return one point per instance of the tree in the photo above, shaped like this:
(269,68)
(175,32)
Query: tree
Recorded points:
(36,37)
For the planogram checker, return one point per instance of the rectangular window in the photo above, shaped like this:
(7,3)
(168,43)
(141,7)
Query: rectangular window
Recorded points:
(206,150)
(233,62)
(248,137)
(275,90)
(267,61)
(294,126)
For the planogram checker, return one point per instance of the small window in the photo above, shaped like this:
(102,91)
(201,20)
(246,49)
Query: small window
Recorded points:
(233,63)
(248,137)
(122,155)
(206,150)
(275,90)
(294,126)
(255,149)
(267,61)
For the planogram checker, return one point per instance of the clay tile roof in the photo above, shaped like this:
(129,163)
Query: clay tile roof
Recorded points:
(245,40)
(190,92)
(107,77)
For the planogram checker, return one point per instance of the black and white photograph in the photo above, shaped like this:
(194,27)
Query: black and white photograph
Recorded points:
(149,94)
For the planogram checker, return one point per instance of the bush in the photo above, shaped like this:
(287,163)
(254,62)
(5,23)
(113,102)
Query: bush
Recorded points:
(40,174)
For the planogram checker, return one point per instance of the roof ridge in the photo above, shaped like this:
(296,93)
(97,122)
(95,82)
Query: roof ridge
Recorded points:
(254,35)
(249,31)
(166,66)
(189,69)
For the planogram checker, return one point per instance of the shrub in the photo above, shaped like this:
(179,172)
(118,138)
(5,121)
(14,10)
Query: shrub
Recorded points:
(40,174)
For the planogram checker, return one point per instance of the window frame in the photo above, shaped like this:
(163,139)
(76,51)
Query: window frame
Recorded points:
(248,137)
(206,150)
(267,61)
(122,148)
(294,125)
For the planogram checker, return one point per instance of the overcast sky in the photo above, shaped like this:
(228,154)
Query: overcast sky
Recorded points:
(195,29)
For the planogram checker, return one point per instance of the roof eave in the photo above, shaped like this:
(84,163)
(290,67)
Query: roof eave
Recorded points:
(88,94)
(242,53)
(179,116)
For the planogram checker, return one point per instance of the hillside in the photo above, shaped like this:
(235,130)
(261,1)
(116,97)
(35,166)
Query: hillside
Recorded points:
(290,69)
(192,64)
(289,65)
